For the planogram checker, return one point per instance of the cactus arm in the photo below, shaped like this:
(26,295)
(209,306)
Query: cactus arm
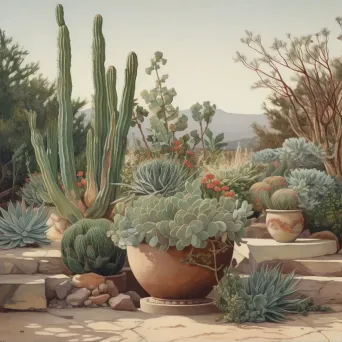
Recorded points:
(106,195)
(102,118)
(52,146)
(63,205)
(65,117)
(91,191)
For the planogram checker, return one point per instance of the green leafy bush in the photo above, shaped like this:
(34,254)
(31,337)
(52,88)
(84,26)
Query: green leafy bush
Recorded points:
(86,248)
(21,226)
(261,297)
(182,220)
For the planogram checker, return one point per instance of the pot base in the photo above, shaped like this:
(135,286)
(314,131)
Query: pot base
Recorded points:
(178,307)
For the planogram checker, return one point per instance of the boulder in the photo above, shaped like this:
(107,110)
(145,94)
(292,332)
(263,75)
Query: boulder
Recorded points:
(89,281)
(112,290)
(78,297)
(134,297)
(122,302)
(63,289)
(100,299)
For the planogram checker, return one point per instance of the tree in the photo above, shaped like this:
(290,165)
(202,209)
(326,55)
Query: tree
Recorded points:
(307,82)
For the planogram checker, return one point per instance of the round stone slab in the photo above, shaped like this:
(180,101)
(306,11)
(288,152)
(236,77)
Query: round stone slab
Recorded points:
(178,307)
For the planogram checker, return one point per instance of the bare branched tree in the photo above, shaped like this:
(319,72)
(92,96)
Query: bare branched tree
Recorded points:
(307,82)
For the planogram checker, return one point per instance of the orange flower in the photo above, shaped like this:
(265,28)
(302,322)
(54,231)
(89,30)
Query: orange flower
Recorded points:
(79,184)
(210,186)
(80,174)
(177,142)
(190,153)
(225,188)
(217,188)
(63,187)
(84,181)
(229,194)
(204,180)
(217,182)
(210,176)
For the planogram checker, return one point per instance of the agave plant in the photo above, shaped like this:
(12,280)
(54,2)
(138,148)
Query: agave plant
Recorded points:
(160,176)
(182,220)
(21,226)
(261,297)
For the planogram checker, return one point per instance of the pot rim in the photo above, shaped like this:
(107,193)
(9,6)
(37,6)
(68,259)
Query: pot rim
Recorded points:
(283,211)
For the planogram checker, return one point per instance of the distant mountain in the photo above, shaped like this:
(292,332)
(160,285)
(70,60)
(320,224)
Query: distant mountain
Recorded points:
(236,127)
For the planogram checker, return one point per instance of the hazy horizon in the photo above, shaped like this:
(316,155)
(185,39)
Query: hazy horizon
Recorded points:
(198,38)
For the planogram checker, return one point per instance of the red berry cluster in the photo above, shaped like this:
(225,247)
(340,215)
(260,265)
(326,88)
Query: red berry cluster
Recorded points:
(214,185)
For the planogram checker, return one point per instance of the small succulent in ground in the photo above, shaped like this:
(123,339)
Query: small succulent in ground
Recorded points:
(160,176)
(261,297)
(21,226)
(86,248)
(183,220)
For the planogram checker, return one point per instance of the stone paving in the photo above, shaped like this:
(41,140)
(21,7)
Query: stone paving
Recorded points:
(106,325)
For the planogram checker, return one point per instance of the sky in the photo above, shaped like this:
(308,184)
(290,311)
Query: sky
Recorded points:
(199,38)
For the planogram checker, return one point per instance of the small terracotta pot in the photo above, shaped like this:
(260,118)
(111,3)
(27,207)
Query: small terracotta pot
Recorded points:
(120,280)
(284,225)
(163,275)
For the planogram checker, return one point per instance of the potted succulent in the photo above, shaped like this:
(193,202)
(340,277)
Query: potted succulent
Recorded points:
(86,248)
(178,246)
(284,219)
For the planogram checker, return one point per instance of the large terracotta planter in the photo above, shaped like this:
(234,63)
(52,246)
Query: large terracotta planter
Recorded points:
(163,275)
(284,225)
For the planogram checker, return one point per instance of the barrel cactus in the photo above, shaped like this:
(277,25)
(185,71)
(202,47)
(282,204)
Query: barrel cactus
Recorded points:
(182,220)
(285,199)
(259,196)
(106,140)
(21,226)
(276,182)
(86,248)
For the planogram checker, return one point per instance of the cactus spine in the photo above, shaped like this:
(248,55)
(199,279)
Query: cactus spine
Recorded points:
(106,142)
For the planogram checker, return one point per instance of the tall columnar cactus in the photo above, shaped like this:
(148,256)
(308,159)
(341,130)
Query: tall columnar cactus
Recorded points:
(106,141)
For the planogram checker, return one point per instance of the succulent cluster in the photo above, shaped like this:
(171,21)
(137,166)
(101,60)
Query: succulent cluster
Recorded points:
(273,193)
(86,248)
(261,297)
(160,176)
(182,220)
(21,226)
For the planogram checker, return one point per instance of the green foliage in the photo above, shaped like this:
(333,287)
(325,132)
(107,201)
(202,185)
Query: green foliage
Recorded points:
(297,152)
(106,141)
(311,186)
(261,297)
(34,191)
(160,176)
(86,248)
(328,214)
(182,220)
(21,226)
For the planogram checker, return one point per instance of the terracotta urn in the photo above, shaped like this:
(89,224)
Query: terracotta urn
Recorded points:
(284,225)
(163,275)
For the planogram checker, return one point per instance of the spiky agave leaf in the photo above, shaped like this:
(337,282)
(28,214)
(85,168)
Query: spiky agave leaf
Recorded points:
(21,226)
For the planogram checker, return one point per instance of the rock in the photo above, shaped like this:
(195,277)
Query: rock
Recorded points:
(96,292)
(103,288)
(53,301)
(122,302)
(63,289)
(99,300)
(57,226)
(134,297)
(79,297)
(89,281)
(104,304)
(326,235)
(51,283)
(94,306)
(112,290)
(69,306)
(87,303)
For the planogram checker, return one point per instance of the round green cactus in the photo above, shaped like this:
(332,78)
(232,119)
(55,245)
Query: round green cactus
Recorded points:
(86,248)
(285,199)
(259,196)
(276,183)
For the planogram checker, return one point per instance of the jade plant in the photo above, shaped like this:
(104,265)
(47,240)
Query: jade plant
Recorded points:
(106,140)
(184,220)
(264,296)
(273,193)
(21,226)
(86,248)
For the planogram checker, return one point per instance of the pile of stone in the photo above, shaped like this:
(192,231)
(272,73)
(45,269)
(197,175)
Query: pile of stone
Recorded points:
(89,290)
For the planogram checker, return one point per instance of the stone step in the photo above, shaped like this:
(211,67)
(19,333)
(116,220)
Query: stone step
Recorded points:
(43,260)
(310,257)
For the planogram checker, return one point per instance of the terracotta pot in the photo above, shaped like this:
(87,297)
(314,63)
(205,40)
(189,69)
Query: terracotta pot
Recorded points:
(284,225)
(163,275)
(120,280)
(133,284)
